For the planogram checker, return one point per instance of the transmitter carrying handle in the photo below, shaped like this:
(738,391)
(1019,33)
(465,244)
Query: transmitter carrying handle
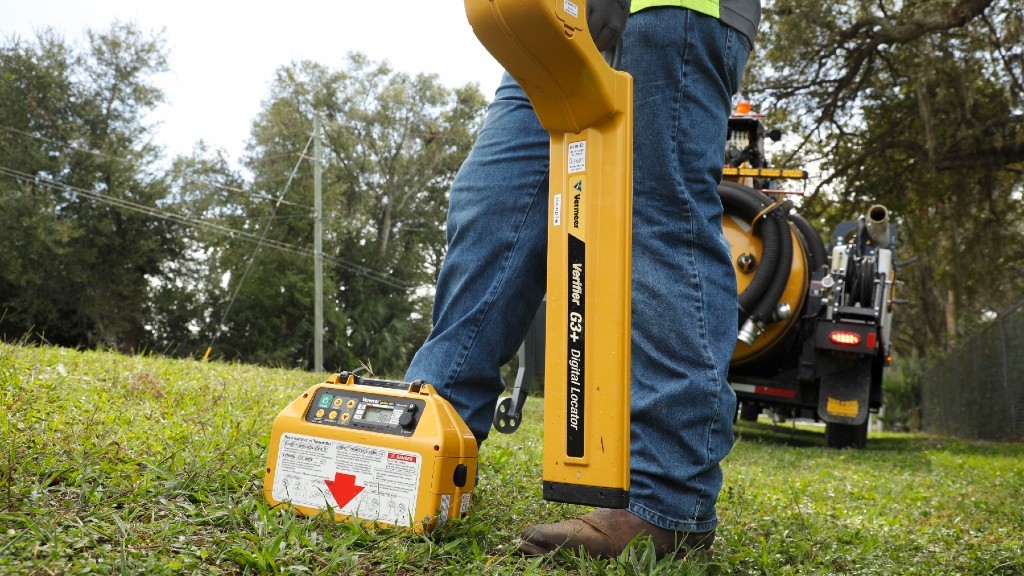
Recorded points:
(350,379)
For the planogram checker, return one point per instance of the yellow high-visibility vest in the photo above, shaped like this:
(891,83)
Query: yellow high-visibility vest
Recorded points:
(709,7)
(743,15)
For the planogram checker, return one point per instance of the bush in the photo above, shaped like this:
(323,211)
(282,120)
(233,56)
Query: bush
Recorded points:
(902,390)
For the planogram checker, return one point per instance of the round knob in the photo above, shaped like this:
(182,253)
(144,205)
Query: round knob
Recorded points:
(408,418)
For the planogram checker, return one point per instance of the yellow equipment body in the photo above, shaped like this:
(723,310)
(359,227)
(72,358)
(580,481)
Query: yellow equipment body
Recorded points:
(587,107)
(373,451)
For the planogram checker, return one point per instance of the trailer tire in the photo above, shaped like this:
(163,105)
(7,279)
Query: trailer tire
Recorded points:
(749,411)
(846,435)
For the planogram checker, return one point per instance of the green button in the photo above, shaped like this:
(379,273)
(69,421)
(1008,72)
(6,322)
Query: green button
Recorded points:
(325,400)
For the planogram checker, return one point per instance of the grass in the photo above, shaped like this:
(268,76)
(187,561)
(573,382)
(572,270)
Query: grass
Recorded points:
(142,465)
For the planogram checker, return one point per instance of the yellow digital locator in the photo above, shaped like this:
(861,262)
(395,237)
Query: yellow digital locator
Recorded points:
(587,107)
(372,451)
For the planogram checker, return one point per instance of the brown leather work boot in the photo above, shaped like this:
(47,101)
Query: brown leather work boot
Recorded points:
(605,533)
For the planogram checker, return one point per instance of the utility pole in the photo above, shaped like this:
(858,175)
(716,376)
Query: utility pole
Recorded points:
(318,255)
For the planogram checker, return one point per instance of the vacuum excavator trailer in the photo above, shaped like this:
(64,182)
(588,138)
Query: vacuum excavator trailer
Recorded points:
(815,320)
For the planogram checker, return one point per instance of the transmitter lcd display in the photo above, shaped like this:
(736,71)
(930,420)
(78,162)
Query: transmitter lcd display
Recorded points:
(377,414)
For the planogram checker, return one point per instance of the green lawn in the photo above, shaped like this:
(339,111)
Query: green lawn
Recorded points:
(142,465)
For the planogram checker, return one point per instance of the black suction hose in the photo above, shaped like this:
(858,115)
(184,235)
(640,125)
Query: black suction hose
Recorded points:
(816,255)
(774,233)
(745,203)
(765,311)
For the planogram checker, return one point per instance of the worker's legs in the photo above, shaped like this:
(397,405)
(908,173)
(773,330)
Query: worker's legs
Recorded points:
(493,276)
(686,67)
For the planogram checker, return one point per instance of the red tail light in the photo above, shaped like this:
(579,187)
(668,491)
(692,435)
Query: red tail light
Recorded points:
(844,338)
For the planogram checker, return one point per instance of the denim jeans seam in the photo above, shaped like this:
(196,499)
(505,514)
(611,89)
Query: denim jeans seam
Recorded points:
(707,355)
(729,64)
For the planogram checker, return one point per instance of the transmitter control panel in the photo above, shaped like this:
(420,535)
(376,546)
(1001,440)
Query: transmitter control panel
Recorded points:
(376,412)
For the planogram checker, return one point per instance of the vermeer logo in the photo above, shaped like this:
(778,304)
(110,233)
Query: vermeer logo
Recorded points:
(577,191)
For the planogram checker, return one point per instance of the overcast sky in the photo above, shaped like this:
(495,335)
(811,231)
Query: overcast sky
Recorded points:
(223,54)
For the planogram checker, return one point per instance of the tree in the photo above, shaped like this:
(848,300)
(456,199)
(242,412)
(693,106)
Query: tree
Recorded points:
(392,145)
(916,105)
(80,225)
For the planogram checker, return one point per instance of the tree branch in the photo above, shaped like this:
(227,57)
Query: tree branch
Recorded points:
(900,30)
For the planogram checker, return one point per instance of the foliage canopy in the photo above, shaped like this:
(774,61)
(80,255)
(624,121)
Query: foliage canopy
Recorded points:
(919,106)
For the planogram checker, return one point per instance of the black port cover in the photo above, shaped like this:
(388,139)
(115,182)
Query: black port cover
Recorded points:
(461,473)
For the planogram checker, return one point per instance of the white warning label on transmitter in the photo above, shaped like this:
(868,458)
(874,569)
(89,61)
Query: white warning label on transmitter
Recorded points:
(368,482)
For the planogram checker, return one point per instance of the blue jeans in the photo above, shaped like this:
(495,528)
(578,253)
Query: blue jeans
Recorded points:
(685,67)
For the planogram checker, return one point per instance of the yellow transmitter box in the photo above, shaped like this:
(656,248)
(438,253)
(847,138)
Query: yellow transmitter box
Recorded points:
(372,451)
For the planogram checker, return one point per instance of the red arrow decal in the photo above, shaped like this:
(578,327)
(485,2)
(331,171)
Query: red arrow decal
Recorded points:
(343,488)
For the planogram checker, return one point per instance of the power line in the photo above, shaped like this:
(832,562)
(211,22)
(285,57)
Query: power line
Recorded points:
(62,144)
(96,153)
(260,240)
(209,226)
(259,195)
(151,211)
(252,259)
(181,219)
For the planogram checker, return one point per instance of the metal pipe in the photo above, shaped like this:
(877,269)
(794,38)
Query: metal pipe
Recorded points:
(878,225)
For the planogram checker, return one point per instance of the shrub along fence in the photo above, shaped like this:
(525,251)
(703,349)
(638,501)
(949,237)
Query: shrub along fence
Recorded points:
(977,390)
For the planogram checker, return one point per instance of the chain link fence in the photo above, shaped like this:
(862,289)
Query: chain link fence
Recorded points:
(977,391)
